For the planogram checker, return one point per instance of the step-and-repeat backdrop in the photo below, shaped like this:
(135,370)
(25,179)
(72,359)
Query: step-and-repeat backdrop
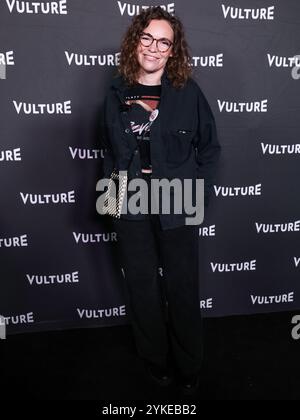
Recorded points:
(59,267)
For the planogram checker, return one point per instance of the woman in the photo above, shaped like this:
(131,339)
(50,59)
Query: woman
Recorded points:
(155,93)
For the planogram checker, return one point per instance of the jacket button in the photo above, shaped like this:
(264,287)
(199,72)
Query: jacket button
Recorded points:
(127,130)
(137,174)
(136,152)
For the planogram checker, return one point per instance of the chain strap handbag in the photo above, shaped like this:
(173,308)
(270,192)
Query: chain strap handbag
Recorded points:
(114,197)
(115,194)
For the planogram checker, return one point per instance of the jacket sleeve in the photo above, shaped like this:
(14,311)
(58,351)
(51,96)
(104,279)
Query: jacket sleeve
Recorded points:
(207,145)
(105,144)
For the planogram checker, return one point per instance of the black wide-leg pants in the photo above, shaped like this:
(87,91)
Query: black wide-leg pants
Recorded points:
(162,331)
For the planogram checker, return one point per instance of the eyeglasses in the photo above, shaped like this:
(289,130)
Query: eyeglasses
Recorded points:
(163,44)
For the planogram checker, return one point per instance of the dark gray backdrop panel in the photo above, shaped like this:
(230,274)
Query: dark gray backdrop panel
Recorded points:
(68,238)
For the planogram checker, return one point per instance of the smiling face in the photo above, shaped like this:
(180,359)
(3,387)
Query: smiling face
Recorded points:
(151,60)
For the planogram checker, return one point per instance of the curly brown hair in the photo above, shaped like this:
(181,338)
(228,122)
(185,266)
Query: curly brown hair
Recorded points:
(177,67)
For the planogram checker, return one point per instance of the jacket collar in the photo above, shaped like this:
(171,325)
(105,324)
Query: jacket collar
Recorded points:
(120,84)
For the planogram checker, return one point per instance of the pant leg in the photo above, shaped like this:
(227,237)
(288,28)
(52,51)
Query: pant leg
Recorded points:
(138,253)
(179,248)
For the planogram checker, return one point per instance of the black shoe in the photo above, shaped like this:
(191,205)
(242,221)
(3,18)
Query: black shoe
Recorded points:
(189,385)
(161,375)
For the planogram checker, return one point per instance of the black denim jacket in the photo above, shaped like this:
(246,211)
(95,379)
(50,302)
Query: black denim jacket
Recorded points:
(183,140)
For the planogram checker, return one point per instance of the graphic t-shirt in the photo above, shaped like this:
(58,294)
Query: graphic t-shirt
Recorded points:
(143,113)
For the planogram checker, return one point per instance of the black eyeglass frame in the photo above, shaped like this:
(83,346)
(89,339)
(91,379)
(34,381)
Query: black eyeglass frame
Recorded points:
(155,39)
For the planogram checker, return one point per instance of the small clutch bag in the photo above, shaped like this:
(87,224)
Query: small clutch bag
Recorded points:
(114,196)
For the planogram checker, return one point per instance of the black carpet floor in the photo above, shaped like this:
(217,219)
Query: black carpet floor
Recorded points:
(246,358)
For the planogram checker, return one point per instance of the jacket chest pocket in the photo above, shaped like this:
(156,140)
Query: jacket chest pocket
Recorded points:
(179,144)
